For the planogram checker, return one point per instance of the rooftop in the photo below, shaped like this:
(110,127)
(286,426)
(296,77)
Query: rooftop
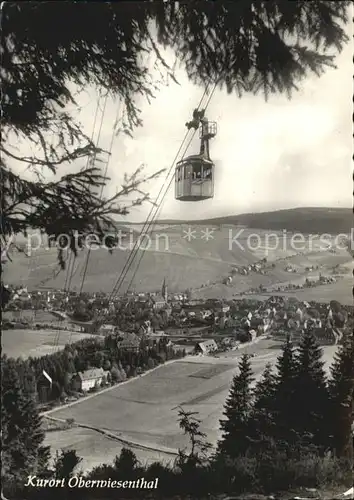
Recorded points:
(93,373)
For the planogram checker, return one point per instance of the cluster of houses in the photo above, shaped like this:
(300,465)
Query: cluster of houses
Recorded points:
(281,317)
(258,267)
(242,320)
(238,319)
(308,283)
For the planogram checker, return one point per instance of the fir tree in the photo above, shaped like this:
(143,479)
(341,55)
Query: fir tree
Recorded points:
(199,447)
(341,388)
(65,464)
(237,409)
(262,420)
(284,402)
(126,464)
(21,431)
(311,396)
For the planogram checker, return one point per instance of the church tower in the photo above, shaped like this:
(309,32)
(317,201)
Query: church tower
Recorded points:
(164,291)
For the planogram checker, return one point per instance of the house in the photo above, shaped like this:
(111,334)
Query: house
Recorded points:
(222,308)
(87,380)
(158,302)
(106,329)
(328,336)
(168,310)
(143,302)
(145,328)
(85,326)
(156,337)
(206,347)
(204,314)
(232,322)
(253,335)
(130,342)
(222,321)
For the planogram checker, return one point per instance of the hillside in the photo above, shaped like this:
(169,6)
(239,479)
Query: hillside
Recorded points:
(198,264)
(305,220)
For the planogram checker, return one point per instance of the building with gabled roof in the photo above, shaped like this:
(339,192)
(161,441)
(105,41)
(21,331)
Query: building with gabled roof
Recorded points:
(130,342)
(158,302)
(87,380)
(206,347)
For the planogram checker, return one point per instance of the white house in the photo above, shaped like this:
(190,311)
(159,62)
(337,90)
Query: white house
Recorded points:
(84,381)
(106,329)
(206,347)
(253,335)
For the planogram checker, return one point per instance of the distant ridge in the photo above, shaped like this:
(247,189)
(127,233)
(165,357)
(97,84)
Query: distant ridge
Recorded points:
(305,220)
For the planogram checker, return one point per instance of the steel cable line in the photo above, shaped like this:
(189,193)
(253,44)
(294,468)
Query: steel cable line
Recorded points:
(166,191)
(156,215)
(89,159)
(105,174)
(148,223)
(71,258)
(102,187)
(93,160)
(70,255)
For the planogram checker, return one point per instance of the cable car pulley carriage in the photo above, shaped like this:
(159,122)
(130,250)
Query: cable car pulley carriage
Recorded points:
(194,175)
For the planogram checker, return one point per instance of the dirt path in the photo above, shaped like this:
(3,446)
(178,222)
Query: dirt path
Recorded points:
(132,444)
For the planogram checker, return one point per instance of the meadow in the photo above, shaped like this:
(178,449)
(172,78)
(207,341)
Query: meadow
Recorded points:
(25,343)
(144,411)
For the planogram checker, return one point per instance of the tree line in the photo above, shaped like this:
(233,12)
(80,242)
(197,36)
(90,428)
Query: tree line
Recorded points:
(118,364)
(292,427)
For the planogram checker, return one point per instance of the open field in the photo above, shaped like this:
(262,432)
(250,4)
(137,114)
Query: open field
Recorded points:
(36,343)
(38,316)
(145,410)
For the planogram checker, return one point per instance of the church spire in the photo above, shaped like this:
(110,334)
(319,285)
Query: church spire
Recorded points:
(164,290)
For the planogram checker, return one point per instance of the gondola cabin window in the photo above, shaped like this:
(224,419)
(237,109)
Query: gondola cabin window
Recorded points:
(207,172)
(197,172)
(188,171)
(179,174)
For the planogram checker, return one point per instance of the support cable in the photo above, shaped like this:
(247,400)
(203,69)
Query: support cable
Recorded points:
(148,223)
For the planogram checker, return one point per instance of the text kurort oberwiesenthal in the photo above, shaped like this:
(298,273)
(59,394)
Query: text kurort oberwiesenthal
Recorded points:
(80,482)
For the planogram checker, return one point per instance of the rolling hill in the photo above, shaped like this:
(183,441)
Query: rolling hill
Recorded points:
(305,220)
(188,257)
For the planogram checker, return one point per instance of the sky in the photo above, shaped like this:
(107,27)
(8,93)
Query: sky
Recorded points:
(268,155)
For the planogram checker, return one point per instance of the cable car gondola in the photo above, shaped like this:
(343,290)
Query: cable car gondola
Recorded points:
(194,175)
